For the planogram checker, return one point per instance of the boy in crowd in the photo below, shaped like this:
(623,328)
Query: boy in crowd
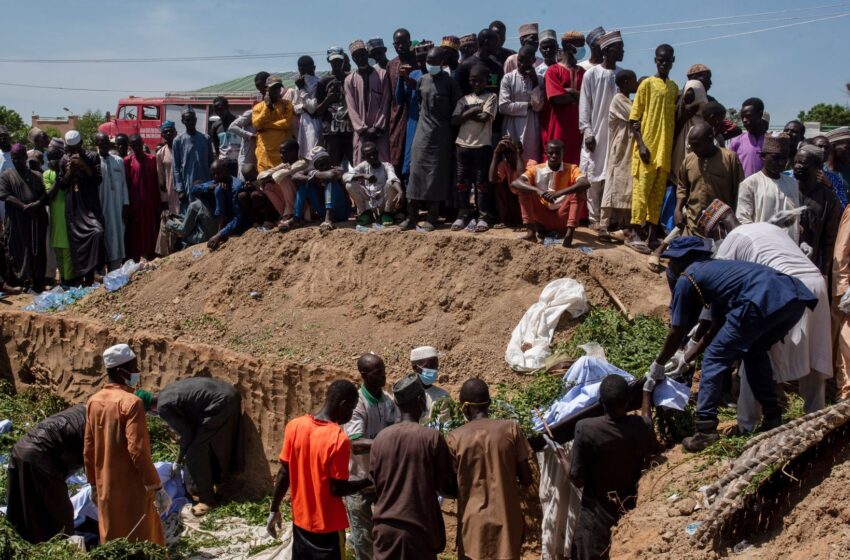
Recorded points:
(321,175)
(374,187)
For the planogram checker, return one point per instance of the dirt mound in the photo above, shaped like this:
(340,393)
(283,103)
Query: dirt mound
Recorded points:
(325,299)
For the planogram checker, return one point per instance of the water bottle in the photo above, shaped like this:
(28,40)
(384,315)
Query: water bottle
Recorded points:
(361,229)
(550,241)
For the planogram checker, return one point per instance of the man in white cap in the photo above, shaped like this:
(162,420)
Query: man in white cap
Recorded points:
(117,453)
(79,177)
(528,35)
(597,90)
(425,362)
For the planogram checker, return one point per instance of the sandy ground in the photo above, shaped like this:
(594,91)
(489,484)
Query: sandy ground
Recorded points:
(325,299)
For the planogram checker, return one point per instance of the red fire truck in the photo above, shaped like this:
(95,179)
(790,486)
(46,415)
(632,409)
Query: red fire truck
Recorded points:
(144,115)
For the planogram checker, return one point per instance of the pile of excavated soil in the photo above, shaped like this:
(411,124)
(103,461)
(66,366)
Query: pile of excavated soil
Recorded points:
(325,299)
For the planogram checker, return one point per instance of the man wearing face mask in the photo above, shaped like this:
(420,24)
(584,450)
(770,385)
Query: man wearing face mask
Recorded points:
(425,362)
(528,35)
(117,453)
(819,221)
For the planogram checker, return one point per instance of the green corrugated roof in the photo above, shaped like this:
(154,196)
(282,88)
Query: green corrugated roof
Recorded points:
(247,83)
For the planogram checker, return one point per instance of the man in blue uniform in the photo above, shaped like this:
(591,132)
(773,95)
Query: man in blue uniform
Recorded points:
(752,307)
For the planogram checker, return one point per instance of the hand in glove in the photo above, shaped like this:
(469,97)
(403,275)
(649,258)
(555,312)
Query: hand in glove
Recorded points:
(807,249)
(162,501)
(844,302)
(649,385)
(677,365)
(656,372)
(785,218)
(273,523)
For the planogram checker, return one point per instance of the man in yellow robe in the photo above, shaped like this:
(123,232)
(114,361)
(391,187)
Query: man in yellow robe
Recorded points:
(117,454)
(273,119)
(653,120)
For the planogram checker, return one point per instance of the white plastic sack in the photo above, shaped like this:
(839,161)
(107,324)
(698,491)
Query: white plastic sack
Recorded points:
(671,394)
(583,380)
(537,326)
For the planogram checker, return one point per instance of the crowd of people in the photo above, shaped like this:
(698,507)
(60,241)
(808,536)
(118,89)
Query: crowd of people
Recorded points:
(753,224)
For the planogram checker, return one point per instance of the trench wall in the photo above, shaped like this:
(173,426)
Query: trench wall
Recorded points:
(64,354)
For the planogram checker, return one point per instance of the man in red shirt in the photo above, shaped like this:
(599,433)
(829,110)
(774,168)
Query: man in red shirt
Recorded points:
(314,466)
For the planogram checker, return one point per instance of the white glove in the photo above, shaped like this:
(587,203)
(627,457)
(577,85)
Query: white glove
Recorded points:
(649,385)
(844,302)
(162,501)
(656,372)
(677,365)
(807,249)
(786,218)
(273,523)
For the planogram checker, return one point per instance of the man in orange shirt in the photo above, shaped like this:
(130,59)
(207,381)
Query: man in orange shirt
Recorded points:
(550,181)
(314,464)
(117,454)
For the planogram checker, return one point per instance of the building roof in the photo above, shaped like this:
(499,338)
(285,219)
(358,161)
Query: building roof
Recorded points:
(238,87)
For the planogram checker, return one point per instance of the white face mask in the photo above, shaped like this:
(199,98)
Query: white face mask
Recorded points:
(135,379)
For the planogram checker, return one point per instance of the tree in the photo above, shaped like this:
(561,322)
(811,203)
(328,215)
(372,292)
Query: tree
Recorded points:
(87,127)
(14,123)
(52,132)
(832,115)
(733,115)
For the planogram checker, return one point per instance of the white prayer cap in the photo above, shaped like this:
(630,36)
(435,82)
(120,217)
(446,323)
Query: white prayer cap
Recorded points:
(423,353)
(72,138)
(119,354)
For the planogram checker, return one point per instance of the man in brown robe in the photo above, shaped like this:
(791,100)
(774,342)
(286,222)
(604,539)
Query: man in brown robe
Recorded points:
(367,95)
(117,453)
(25,226)
(398,111)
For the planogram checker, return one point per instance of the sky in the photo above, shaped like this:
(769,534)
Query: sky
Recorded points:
(791,68)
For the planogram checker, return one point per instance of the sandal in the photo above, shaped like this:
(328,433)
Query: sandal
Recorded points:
(427,226)
(618,236)
(499,225)
(639,246)
(481,226)
(654,264)
(326,226)
(458,224)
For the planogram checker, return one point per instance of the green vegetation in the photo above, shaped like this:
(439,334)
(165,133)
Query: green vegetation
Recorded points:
(253,512)
(164,445)
(828,114)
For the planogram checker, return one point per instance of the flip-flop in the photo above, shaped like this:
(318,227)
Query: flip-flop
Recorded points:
(617,236)
(481,226)
(458,224)
(326,226)
(654,264)
(639,246)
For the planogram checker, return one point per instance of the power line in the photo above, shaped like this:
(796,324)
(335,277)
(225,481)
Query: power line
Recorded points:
(790,10)
(82,89)
(724,24)
(754,31)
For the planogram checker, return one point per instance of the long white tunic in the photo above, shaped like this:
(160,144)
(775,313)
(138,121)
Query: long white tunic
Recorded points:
(598,88)
(309,126)
(520,108)
(113,197)
(760,197)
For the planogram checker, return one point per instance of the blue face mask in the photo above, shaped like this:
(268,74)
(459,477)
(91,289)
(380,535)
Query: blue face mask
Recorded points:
(372,61)
(433,70)
(135,379)
(581,53)
(428,376)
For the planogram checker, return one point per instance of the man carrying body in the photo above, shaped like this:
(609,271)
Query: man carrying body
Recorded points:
(607,457)
(374,188)
(708,173)
(25,224)
(314,467)
(768,191)
(38,506)
(367,96)
(145,201)
(491,461)
(409,465)
(598,88)
(397,125)
(819,221)
(114,200)
(79,177)
(425,362)
(205,413)
(192,155)
(226,145)
(273,119)
(117,450)
(752,308)
(375,411)
(653,120)
(748,146)
(548,182)
(805,357)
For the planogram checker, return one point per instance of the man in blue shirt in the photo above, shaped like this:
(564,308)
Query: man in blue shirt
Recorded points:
(752,307)
(226,190)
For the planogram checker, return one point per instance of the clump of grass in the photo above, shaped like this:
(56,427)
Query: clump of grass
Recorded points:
(253,512)
(164,445)
(519,401)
